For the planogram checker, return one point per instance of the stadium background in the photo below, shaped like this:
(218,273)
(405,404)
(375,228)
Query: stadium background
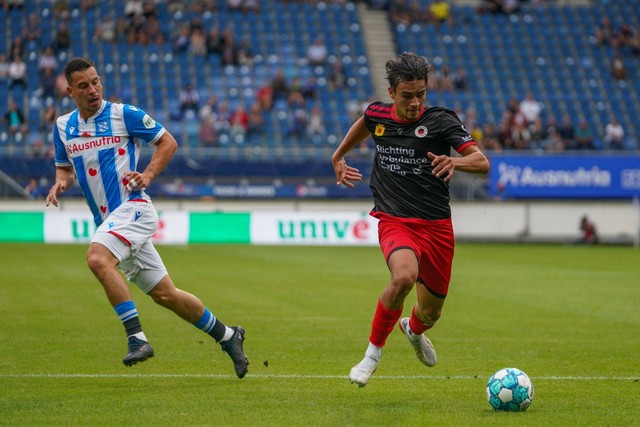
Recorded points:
(547,48)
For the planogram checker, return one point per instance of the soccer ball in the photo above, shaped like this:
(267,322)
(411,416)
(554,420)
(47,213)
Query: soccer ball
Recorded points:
(509,390)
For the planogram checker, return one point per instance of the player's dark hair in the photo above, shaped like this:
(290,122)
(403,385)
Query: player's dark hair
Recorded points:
(76,64)
(407,67)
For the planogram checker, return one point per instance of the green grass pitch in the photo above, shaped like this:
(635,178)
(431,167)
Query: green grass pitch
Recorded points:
(569,316)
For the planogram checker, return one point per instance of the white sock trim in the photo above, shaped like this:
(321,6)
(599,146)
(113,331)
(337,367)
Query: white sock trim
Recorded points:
(228,333)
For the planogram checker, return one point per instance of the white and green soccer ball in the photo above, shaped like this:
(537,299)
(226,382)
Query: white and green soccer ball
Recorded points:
(509,390)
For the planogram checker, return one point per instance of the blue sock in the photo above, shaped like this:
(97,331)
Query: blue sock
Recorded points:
(212,326)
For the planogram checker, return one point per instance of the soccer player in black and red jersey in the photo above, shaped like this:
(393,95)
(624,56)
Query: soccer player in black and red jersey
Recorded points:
(410,185)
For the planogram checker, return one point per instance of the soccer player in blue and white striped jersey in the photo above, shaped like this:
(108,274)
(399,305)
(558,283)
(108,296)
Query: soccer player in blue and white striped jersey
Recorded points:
(99,144)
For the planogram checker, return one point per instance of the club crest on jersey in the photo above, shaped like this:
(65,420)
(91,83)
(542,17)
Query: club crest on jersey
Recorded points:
(379,129)
(148,122)
(102,127)
(421,131)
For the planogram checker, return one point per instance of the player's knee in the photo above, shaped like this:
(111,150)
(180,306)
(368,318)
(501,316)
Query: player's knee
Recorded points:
(95,262)
(403,281)
(163,296)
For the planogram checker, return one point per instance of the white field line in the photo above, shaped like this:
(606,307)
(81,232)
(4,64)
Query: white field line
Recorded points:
(294,376)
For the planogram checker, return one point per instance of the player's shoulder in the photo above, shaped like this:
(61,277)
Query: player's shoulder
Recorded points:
(378,109)
(437,110)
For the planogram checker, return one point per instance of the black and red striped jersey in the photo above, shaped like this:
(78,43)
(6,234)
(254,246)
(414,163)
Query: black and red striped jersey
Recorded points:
(401,180)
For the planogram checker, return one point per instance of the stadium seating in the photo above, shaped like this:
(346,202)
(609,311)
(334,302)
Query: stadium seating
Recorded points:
(548,49)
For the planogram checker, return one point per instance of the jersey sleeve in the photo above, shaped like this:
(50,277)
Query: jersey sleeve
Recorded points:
(60,157)
(455,134)
(140,125)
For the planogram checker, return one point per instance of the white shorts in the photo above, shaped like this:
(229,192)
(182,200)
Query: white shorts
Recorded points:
(127,232)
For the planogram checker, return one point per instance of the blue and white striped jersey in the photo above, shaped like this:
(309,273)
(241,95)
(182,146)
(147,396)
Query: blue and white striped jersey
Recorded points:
(102,149)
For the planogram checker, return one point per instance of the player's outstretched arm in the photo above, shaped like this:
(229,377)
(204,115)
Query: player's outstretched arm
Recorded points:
(356,135)
(64,180)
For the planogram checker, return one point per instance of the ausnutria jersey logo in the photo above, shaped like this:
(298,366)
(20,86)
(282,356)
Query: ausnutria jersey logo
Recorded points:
(421,131)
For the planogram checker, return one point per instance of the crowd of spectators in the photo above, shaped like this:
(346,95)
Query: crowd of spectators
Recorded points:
(288,100)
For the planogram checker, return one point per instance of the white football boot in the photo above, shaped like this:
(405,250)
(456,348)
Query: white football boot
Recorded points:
(361,373)
(421,344)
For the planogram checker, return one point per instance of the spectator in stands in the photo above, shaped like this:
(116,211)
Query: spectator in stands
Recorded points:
(48,84)
(209,108)
(256,119)
(239,122)
(17,48)
(234,5)
(618,68)
(614,135)
(123,28)
(198,42)
(317,52)
(250,6)
(151,31)
(62,38)
(490,138)
(625,35)
(440,12)
(337,75)
(399,13)
(460,79)
(4,69)
(583,136)
(61,87)
(149,9)
(315,127)
(222,119)
(189,100)
(605,31)
(444,79)
(14,119)
(280,86)
(243,52)
(48,117)
(105,30)
(213,42)
(309,88)
(133,8)
(48,60)
(520,136)
(228,47)
(61,10)
(17,75)
(499,6)
(12,4)
(207,134)
(554,143)
(32,32)
(264,95)
(530,108)
(180,43)
(537,134)
(567,131)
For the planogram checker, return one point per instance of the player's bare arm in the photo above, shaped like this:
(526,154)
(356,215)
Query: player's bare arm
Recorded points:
(166,146)
(471,160)
(64,179)
(345,174)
